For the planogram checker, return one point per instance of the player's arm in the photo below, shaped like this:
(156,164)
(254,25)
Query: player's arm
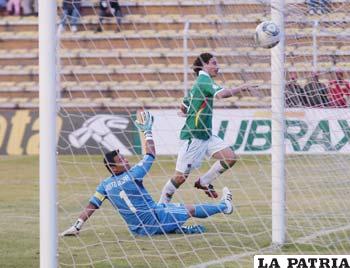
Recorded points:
(144,123)
(95,202)
(184,107)
(230,92)
(84,215)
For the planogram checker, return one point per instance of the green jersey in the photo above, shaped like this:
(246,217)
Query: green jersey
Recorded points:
(200,108)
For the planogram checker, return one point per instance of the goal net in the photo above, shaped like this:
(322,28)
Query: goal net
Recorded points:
(108,72)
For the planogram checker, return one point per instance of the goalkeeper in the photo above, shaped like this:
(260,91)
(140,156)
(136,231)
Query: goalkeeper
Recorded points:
(198,140)
(125,191)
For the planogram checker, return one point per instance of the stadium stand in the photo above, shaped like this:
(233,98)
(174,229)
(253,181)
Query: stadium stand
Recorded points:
(109,64)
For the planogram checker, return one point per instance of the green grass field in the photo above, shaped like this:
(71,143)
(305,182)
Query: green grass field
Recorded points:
(317,211)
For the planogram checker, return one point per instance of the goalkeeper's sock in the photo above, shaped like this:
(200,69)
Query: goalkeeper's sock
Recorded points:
(206,210)
(167,192)
(218,168)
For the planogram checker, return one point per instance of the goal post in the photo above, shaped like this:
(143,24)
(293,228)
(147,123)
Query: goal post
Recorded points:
(278,128)
(47,114)
(300,152)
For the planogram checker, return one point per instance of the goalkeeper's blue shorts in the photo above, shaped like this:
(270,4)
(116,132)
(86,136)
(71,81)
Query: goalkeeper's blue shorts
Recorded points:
(170,217)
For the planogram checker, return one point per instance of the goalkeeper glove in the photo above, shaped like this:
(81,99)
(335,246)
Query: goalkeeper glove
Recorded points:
(144,123)
(74,229)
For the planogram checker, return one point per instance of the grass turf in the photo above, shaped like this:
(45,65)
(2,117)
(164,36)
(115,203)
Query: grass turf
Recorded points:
(317,208)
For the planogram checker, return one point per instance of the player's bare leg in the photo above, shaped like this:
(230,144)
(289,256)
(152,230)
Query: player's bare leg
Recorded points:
(171,186)
(226,159)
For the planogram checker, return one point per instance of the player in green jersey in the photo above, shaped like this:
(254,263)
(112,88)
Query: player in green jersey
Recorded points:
(197,137)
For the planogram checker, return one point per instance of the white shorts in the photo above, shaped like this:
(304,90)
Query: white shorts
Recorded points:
(192,152)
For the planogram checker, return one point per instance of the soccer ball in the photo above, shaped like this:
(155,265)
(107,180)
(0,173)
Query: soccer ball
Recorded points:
(267,34)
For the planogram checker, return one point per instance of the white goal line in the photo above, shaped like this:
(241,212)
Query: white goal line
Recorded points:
(223,260)
(305,239)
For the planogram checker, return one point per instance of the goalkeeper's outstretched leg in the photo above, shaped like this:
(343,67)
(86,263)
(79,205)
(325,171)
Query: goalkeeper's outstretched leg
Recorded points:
(170,217)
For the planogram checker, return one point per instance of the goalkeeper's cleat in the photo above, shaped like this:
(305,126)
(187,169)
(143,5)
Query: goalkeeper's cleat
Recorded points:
(191,229)
(227,199)
(71,231)
(209,190)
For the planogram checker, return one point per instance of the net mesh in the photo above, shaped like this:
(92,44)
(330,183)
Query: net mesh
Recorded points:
(106,76)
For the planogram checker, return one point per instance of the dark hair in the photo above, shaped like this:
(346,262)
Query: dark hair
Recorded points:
(108,159)
(199,62)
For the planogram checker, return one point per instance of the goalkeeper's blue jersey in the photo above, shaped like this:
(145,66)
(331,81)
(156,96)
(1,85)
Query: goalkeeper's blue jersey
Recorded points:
(127,194)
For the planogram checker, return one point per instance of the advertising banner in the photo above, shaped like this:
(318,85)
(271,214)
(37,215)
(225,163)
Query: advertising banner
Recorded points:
(77,133)
(248,131)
